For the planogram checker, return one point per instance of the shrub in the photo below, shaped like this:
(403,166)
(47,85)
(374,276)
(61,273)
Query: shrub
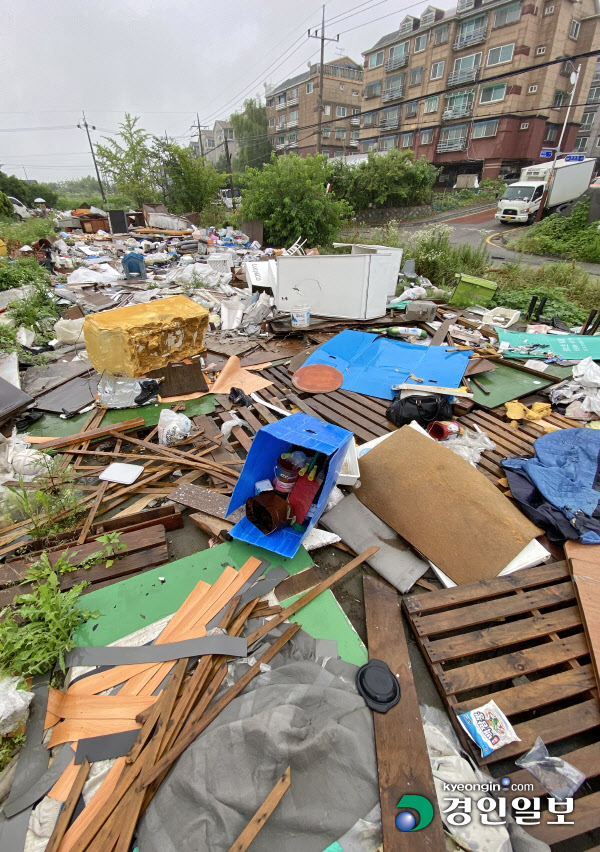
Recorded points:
(18,273)
(37,311)
(564,236)
(27,231)
(6,208)
(289,196)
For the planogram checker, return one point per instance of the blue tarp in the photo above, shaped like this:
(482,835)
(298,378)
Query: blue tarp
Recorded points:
(564,470)
(371,365)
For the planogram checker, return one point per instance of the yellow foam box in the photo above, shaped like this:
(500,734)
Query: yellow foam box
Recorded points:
(140,338)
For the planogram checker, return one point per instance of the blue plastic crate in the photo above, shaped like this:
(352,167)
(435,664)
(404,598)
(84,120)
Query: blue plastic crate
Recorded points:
(268,444)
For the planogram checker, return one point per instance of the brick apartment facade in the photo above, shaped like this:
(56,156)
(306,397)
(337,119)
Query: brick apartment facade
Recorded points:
(588,140)
(212,142)
(425,84)
(292,113)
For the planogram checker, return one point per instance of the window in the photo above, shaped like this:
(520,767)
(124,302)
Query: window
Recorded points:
(281,140)
(367,145)
(427,17)
(440,34)
(586,121)
(485,129)
(453,138)
(271,122)
(292,137)
(400,50)
(532,90)
(376,59)
(437,70)
(426,137)
(407,24)
(524,125)
(551,133)
(415,77)
(370,119)
(326,109)
(373,90)
(386,143)
(472,29)
(340,112)
(325,152)
(326,132)
(574,29)
(498,55)
(340,133)
(281,121)
(292,94)
(560,99)
(549,10)
(581,143)
(460,104)
(342,87)
(410,109)
(407,139)
(420,43)
(598,142)
(355,110)
(390,117)
(539,51)
(354,134)
(271,102)
(491,94)
(355,93)
(432,104)
(293,116)
(394,87)
(467,63)
(310,87)
(593,95)
(507,15)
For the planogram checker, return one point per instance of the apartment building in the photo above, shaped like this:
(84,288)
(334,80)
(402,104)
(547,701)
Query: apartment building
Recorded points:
(430,85)
(213,142)
(588,140)
(292,113)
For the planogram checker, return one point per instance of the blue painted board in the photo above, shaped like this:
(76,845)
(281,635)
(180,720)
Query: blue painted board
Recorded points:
(371,365)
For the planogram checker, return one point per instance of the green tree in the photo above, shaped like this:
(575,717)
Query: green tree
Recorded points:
(131,163)
(191,183)
(394,179)
(6,208)
(27,191)
(250,130)
(290,196)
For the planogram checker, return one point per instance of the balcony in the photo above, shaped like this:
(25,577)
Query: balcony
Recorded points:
(452,145)
(476,37)
(292,122)
(389,123)
(355,121)
(372,93)
(459,77)
(292,101)
(392,94)
(281,126)
(593,99)
(293,144)
(281,105)
(280,146)
(339,71)
(596,77)
(457,112)
(397,62)
(354,143)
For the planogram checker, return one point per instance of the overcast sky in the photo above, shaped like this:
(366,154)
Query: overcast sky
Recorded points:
(160,59)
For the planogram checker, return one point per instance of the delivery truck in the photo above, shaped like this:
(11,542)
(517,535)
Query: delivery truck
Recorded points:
(521,200)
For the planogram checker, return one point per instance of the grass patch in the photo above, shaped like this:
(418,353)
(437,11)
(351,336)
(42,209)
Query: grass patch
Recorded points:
(37,311)
(27,231)
(19,273)
(564,236)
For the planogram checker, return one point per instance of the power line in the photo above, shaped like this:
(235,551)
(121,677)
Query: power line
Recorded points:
(381,18)
(343,16)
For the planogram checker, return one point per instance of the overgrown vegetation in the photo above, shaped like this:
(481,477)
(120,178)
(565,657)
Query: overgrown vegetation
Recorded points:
(37,311)
(26,191)
(250,128)
(25,232)
(9,746)
(563,236)
(190,183)
(51,506)
(290,196)
(18,273)
(395,179)
(489,190)
(6,208)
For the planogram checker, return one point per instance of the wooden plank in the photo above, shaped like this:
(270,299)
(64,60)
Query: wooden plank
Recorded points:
(499,636)
(341,414)
(262,814)
(493,610)
(243,412)
(585,818)
(92,434)
(440,335)
(541,575)
(584,562)
(366,434)
(514,664)
(399,731)
(67,810)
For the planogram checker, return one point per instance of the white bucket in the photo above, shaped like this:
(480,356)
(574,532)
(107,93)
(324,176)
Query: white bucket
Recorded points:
(300,315)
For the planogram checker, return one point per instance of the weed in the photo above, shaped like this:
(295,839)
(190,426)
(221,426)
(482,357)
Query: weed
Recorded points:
(570,290)
(564,236)
(37,311)
(41,568)
(51,507)
(19,273)
(9,746)
(27,231)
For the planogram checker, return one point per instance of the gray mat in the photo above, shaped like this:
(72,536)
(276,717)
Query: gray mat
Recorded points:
(360,528)
(298,713)
(230,646)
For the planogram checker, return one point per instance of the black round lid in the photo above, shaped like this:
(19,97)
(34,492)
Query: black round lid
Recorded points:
(378,686)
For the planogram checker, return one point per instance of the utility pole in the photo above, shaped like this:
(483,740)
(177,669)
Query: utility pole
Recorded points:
(87,130)
(321,72)
(574,79)
(230,170)
(200,143)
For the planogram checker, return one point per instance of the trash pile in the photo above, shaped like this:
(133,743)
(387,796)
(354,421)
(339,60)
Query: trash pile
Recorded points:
(216,441)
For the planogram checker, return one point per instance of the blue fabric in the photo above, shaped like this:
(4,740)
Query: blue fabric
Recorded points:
(564,470)
(371,365)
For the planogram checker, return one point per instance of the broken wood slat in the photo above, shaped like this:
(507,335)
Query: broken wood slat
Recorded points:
(399,731)
(92,434)
(61,705)
(584,563)
(347,410)
(67,810)
(265,413)
(244,440)
(245,413)
(79,729)
(586,759)
(325,412)
(262,814)
(440,335)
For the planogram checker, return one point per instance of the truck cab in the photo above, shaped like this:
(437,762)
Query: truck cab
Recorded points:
(520,202)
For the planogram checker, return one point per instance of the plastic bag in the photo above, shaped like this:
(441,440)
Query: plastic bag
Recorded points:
(123,392)
(229,424)
(19,458)
(14,705)
(470,445)
(173,426)
(69,330)
(412,293)
(559,778)
(488,727)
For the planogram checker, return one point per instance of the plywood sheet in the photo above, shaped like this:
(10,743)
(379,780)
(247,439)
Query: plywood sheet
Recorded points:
(443,506)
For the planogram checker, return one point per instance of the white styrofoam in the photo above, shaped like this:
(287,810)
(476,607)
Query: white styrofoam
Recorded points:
(350,471)
(123,473)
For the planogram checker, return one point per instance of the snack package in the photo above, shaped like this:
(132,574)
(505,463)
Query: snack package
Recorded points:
(488,727)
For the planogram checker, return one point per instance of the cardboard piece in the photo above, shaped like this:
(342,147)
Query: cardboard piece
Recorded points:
(233,375)
(443,506)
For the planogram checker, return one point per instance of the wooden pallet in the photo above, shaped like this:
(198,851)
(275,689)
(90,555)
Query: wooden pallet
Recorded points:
(519,640)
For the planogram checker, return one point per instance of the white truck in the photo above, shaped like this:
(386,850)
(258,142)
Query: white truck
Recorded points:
(521,200)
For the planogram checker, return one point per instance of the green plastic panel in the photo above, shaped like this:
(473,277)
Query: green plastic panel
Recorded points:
(506,383)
